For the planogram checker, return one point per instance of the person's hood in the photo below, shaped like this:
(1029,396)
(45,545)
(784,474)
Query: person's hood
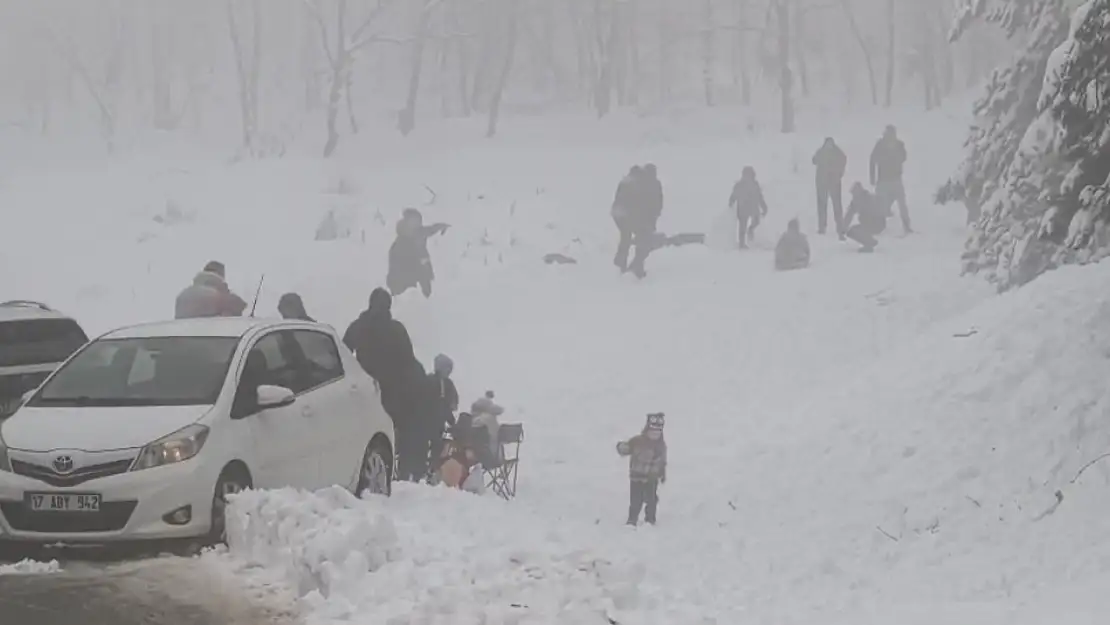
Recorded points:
(209,279)
(294,304)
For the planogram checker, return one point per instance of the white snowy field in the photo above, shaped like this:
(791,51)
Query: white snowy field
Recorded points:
(872,440)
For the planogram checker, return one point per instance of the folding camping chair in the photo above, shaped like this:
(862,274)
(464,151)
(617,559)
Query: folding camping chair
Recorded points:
(502,476)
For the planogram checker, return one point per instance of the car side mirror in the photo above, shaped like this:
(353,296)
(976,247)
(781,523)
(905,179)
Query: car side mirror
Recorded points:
(270,396)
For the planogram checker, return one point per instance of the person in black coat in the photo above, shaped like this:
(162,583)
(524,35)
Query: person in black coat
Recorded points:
(291,306)
(872,218)
(410,264)
(747,200)
(444,403)
(383,348)
(888,158)
(831,163)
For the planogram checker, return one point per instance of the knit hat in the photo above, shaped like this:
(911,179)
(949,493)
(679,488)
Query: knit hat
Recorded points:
(655,421)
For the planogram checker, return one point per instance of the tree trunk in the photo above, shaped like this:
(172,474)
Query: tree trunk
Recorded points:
(799,39)
(406,121)
(742,49)
(707,59)
(513,7)
(633,23)
(890,60)
(853,26)
(786,79)
(246,72)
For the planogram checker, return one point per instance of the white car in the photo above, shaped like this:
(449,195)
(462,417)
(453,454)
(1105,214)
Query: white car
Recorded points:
(34,340)
(142,433)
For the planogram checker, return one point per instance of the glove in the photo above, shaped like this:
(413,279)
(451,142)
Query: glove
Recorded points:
(663,480)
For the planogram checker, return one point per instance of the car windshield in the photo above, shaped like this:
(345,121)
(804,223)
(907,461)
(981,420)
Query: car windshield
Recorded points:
(158,371)
(38,341)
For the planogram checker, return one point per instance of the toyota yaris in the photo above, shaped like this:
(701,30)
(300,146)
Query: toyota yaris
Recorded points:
(143,432)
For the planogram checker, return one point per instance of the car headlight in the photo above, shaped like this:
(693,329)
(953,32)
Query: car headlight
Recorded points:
(177,447)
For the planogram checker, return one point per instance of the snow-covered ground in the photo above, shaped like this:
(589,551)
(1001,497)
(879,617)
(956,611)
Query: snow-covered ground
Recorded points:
(872,440)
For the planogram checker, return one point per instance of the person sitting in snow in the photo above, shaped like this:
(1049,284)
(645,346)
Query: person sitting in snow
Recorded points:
(209,296)
(647,468)
(792,251)
(871,218)
(747,200)
(485,413)
(410,264)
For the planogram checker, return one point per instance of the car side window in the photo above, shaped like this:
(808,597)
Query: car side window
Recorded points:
(322,363)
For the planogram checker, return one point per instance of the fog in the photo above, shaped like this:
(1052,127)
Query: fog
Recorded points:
(274,73)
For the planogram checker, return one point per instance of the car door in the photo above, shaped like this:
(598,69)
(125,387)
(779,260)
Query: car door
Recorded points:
(333,399)
(287,440)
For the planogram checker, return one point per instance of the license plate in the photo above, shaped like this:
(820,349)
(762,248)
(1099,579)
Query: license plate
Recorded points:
(48,502)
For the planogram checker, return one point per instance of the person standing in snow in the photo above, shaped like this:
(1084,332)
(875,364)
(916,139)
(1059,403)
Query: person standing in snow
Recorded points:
(831,164)
(291,306)
(872,218)
(647,468)
(887,161)
(747,200)
(792,251)
(630,212)
(209,296)
(653,198)
(410,264)
(384,350)
(444,399)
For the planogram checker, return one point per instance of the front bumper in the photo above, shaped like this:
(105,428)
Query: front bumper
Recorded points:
(132,507)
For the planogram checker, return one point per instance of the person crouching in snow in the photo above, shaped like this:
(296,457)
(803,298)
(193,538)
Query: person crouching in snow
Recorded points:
(871,216)
(410,264)
(647,468)
(792,251)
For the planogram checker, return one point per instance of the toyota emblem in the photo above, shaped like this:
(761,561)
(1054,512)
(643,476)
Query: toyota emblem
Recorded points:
(63,465)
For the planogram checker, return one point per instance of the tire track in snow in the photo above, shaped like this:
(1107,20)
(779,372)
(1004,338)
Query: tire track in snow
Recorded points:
(164,591)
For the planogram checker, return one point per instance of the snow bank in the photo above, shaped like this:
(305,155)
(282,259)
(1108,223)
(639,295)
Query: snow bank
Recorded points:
(434,556)
(30,567)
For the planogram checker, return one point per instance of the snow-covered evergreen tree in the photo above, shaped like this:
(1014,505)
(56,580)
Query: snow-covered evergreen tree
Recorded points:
(1014,169)
(1079,94)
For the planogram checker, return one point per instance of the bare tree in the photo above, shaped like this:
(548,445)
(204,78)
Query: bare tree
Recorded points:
(890,58)
(869,63)
(341,58)
(786,78)
(406,121)
(512,10)
(247,65)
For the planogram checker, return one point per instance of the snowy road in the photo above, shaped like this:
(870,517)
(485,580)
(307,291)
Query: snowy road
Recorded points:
(153,592)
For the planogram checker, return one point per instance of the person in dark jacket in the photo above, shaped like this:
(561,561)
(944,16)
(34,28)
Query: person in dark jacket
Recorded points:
(647,468)
(291,306)
(630,214)
(887,161)
(871,218)
(831,163)
(410,264)
(445,401)
(792,251)
(653,198)
(747,200)
(383,348)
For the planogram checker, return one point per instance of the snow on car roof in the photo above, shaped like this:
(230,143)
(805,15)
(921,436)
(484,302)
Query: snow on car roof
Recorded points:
(26,310)
(231,327)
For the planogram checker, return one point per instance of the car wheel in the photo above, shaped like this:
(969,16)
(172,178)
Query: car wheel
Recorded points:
(232,480)
(375,476)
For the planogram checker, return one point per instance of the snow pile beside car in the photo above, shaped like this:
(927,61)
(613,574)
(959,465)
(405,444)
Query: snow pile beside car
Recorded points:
(435,556)
(30,567)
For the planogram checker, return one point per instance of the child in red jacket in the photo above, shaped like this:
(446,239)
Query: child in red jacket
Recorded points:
(647,467)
